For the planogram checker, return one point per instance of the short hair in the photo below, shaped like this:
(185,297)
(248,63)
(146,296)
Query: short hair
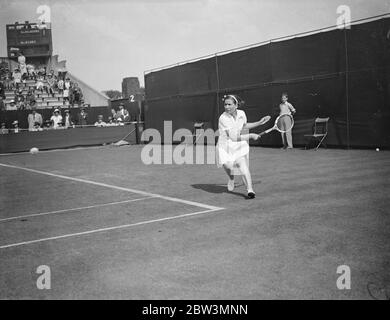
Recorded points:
(285,94)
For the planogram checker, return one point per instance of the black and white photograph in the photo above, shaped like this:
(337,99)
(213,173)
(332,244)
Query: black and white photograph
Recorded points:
(206,153)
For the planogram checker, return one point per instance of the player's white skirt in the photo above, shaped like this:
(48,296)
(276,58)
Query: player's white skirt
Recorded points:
(230,151)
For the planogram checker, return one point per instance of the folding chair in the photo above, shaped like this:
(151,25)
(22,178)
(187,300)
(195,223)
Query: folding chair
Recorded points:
(320,132)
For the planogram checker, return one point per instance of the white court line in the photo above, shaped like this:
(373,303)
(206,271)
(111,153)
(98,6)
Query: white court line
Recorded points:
(109,228)
(72,209)
(55,150)
(144,193)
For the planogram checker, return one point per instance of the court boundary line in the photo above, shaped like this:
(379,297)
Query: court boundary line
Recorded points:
(69,235)
(106,185)
(72,209)
(55,150)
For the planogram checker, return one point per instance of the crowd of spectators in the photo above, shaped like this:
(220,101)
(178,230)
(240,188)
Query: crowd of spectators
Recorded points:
(48,82)
(65,120)
(117,118)
(51,84)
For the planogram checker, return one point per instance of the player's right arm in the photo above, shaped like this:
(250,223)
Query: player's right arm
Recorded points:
(234,134)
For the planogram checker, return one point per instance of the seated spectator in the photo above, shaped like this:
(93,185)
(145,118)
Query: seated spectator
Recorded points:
(60,86)
(100,122)
(3,129)
(31,74)
(126,115)
(76,95)
(21,57)
(30,97)
(42,71)
(67,85)
(2,105)
(56,118)
(60,126)
(119,122)
(24,74)
(62,74)
(15,126)
(23,67)
(82,117)
(110,122)
(50,85)
(120,111)
(2,90)
(37,127)
(22,64)
(40,83)
(122,114)
(33,118)
(113,114)
(47,124)
(17,76)
(33,104)
(8,82)
(19,99)
(12,106)
(2,70)
(68,121)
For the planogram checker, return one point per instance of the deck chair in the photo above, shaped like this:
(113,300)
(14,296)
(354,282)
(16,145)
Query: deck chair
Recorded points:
(320,132)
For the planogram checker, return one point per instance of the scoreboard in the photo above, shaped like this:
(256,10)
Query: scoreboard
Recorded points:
(32,39)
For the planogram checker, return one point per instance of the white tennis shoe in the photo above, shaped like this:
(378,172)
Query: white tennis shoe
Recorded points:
(230,184)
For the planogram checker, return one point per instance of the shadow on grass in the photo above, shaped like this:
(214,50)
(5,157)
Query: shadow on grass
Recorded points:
(218,188)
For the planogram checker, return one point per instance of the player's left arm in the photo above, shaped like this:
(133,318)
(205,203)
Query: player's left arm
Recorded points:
(292,109)
(252,125)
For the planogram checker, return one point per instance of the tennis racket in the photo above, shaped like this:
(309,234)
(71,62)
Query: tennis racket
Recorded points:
(284,123)
(264,120)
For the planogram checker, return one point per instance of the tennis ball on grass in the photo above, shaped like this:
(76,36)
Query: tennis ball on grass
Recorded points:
(34,150)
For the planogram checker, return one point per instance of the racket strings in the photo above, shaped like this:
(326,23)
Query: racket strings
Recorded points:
(284,123)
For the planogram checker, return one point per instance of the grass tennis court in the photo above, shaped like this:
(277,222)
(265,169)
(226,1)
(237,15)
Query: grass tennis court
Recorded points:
(110,227)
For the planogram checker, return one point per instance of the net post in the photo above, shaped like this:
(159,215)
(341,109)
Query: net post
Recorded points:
(218,87)
(347,83)
(137,138)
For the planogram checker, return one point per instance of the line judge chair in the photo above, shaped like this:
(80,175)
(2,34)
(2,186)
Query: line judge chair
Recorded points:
(319,133)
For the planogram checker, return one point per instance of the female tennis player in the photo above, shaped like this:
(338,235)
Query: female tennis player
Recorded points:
(233,146)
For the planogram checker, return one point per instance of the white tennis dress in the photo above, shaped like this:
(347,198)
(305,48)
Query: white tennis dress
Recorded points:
(227,149)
